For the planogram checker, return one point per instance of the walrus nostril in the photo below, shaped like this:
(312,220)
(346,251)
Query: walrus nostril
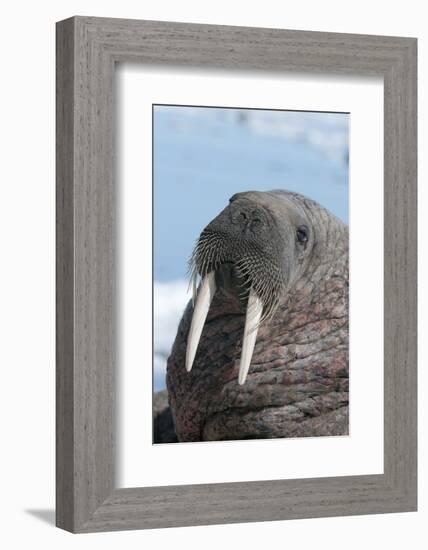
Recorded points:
(256,223)
(240,216)
(248,218)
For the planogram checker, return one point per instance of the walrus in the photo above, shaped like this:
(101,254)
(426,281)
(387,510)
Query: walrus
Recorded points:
(262,348)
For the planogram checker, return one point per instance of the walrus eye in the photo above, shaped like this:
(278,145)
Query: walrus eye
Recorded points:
(302,234)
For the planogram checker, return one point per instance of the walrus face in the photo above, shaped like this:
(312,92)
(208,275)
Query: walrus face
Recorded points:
(252,258)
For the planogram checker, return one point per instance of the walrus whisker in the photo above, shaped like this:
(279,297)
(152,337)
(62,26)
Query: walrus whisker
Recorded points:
(194,287)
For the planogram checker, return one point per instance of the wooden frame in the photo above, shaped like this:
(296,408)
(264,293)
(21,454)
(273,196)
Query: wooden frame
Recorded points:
(87,50)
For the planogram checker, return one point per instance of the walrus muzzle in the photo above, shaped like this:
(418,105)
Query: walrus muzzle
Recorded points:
(237,252)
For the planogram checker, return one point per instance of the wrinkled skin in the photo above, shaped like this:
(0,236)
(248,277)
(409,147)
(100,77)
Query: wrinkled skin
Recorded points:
(297,384)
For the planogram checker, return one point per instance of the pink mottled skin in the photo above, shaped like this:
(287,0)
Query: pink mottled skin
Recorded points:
(298,379)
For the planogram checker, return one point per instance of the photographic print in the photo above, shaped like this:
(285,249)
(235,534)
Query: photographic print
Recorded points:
(250,276)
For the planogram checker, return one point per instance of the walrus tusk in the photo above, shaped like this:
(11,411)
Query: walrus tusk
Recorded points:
(200,312)
(252,319)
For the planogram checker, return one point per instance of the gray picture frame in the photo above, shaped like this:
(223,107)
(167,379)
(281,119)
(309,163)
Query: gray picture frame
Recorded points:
(87,51)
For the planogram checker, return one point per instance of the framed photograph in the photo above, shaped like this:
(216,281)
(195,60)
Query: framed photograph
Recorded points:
(236,274)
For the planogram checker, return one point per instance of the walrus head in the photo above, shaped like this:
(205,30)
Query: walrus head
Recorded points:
(251,257)
(271,310)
